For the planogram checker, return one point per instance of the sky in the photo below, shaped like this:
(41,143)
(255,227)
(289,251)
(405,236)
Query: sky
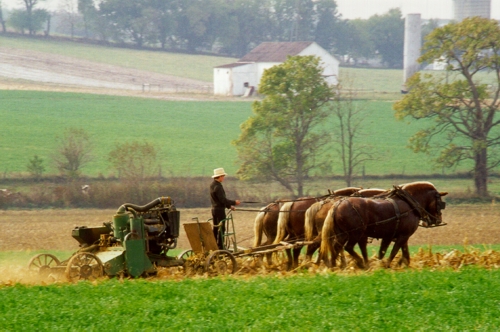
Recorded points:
(349,9)
(428,9)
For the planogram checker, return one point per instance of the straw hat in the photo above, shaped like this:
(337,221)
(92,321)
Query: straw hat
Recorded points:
(218,172)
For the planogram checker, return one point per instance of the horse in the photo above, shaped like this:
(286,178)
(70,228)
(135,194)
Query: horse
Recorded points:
(266,222)
(291,223)
(316,214)
(390,217)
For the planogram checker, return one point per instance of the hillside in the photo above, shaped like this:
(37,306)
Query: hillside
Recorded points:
(63,66)
(50,64)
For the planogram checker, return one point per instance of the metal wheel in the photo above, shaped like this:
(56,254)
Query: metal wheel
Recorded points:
(193,263)
(84,266)
(42,263)
(220,262)
(186,254)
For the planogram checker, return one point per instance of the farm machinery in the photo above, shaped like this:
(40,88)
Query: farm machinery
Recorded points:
(135,243)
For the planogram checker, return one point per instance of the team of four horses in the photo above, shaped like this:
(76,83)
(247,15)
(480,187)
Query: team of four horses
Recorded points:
(351,216)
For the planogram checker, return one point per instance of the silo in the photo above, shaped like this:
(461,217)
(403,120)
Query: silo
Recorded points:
(412,43)
(468,8)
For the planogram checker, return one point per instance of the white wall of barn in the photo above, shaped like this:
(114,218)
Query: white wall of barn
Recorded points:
(230,81)
(223,81)
(244,74)
(329,63)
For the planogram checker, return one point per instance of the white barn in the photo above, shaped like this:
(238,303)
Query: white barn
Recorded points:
(243,77)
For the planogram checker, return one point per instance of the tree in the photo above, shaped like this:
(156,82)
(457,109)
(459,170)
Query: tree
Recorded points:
(35,167)
(69,15)
(240,24)
(34,17)
(465,107)
(349,129)
(284,137)
(353,39)
(387,34)
(134,160)
(89,13)
(328,23)
(32,22)
(164,20)
(74,151)
(2,21)
(128,19)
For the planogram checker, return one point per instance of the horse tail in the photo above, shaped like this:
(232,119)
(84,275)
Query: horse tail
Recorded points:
(327,234)
(309,220)
(284,215)
(259,227)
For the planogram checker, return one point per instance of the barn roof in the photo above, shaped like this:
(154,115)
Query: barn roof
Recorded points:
(275,52)
(234,64)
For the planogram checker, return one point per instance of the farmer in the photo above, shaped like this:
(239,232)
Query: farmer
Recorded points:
(219,203)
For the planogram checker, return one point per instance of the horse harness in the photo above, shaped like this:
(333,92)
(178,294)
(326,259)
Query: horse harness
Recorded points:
(405,196)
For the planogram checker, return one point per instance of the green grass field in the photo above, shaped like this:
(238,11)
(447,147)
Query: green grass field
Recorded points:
(193,137)
(384,300)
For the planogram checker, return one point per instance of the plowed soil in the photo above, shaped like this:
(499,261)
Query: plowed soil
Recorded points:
(51,229)
(31,70)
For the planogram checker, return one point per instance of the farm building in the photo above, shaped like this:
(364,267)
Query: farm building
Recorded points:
(242,78)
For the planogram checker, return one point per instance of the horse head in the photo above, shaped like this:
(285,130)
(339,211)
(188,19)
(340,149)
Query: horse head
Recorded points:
(424,197)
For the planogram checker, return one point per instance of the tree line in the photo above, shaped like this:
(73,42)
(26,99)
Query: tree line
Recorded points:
(230,28)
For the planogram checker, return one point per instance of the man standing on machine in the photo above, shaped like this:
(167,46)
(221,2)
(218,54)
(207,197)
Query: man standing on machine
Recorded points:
(219,204)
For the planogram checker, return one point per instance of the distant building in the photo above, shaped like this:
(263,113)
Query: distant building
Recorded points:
(468,8)
(242,78)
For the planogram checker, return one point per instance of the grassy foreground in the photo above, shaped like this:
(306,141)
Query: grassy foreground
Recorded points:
(384,300)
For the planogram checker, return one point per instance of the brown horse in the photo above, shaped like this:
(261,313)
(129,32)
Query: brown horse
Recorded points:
(266,223)
(291,224)
(316,214)
(393,217)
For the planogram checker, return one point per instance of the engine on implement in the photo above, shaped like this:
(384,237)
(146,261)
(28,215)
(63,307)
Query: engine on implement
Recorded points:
(135,243)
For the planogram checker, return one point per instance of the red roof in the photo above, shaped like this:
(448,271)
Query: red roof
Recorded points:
(275,52)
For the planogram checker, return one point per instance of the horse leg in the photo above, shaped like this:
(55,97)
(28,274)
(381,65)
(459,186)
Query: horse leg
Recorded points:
(296,254)
(349,247)
(311,249)
(289,264)
(343,261)
(405,258)
(269,258)
(362,244)
(383,249)
(338,249)
(399,243)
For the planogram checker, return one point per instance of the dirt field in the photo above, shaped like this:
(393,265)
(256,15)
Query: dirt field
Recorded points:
(51,229)
(31,70)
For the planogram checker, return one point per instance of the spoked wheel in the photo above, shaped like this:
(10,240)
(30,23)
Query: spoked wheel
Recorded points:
(220,262)
(186,254)
(193,263)
(42,264)
(84,266)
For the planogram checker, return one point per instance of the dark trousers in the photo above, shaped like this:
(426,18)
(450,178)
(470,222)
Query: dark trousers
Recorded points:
(219,214)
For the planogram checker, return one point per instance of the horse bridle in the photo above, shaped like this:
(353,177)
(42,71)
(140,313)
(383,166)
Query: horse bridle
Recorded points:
(424,215)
